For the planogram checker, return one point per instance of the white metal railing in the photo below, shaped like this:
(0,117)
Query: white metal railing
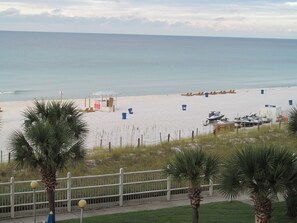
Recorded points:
(109,189)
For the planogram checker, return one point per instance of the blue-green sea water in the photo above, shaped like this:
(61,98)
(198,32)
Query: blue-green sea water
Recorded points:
(39,65)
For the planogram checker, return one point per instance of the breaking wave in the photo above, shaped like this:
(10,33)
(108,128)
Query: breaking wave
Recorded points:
(14,92)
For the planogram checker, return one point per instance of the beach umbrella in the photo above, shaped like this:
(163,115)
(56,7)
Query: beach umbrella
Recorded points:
(51,218)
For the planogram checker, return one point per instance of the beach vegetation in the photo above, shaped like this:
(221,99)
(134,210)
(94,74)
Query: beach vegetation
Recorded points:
(292,125)
(291,201)
(262,171)
(195,167)
(53,135)
(291,196)
(151,157)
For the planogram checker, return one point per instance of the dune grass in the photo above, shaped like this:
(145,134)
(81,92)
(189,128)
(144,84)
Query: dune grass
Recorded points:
(220,212)
(157,156)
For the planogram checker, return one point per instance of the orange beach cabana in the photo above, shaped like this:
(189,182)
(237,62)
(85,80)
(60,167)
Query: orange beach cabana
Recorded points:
(105,101)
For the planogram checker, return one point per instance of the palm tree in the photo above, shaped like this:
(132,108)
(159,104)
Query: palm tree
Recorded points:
(194,166)
(52,136)
(261,171)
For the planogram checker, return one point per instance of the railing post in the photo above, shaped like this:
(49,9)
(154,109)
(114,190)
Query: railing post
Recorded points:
(69,192)
(210,186)
(121,187)
(168,188)
(12,197)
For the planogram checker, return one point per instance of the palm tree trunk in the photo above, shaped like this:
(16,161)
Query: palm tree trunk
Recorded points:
(195,215)
(195,199)
(263,208)
(51,200)
(50,182)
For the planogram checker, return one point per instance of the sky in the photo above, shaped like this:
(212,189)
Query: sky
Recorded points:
(237,18)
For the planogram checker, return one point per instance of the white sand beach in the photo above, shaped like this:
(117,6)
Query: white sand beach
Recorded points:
(155,115)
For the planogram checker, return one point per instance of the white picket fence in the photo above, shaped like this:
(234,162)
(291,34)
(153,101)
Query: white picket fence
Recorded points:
(100,191)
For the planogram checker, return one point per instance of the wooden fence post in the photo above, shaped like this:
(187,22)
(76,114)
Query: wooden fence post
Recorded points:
(160,137)
(192,135)
(121,142)
(179,134)
(141,143)
(138,142)
(109,147)
(168,137)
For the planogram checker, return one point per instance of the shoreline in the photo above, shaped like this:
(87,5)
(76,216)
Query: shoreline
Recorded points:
(155,116)
(145,95)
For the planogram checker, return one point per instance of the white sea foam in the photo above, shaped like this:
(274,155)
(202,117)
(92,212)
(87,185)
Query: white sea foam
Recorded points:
(7,92)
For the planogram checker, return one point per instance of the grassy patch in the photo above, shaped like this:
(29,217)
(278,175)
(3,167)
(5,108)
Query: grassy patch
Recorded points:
(221,212)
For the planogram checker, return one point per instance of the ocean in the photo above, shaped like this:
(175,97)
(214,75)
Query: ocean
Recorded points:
(40,65)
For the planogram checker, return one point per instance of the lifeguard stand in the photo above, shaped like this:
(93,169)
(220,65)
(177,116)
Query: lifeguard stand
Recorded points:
(105,101)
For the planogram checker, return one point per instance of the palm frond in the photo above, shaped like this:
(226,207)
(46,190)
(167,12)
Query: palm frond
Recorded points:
(262,170)
(193,165)
(55,135)
(21,150)
(230,183)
